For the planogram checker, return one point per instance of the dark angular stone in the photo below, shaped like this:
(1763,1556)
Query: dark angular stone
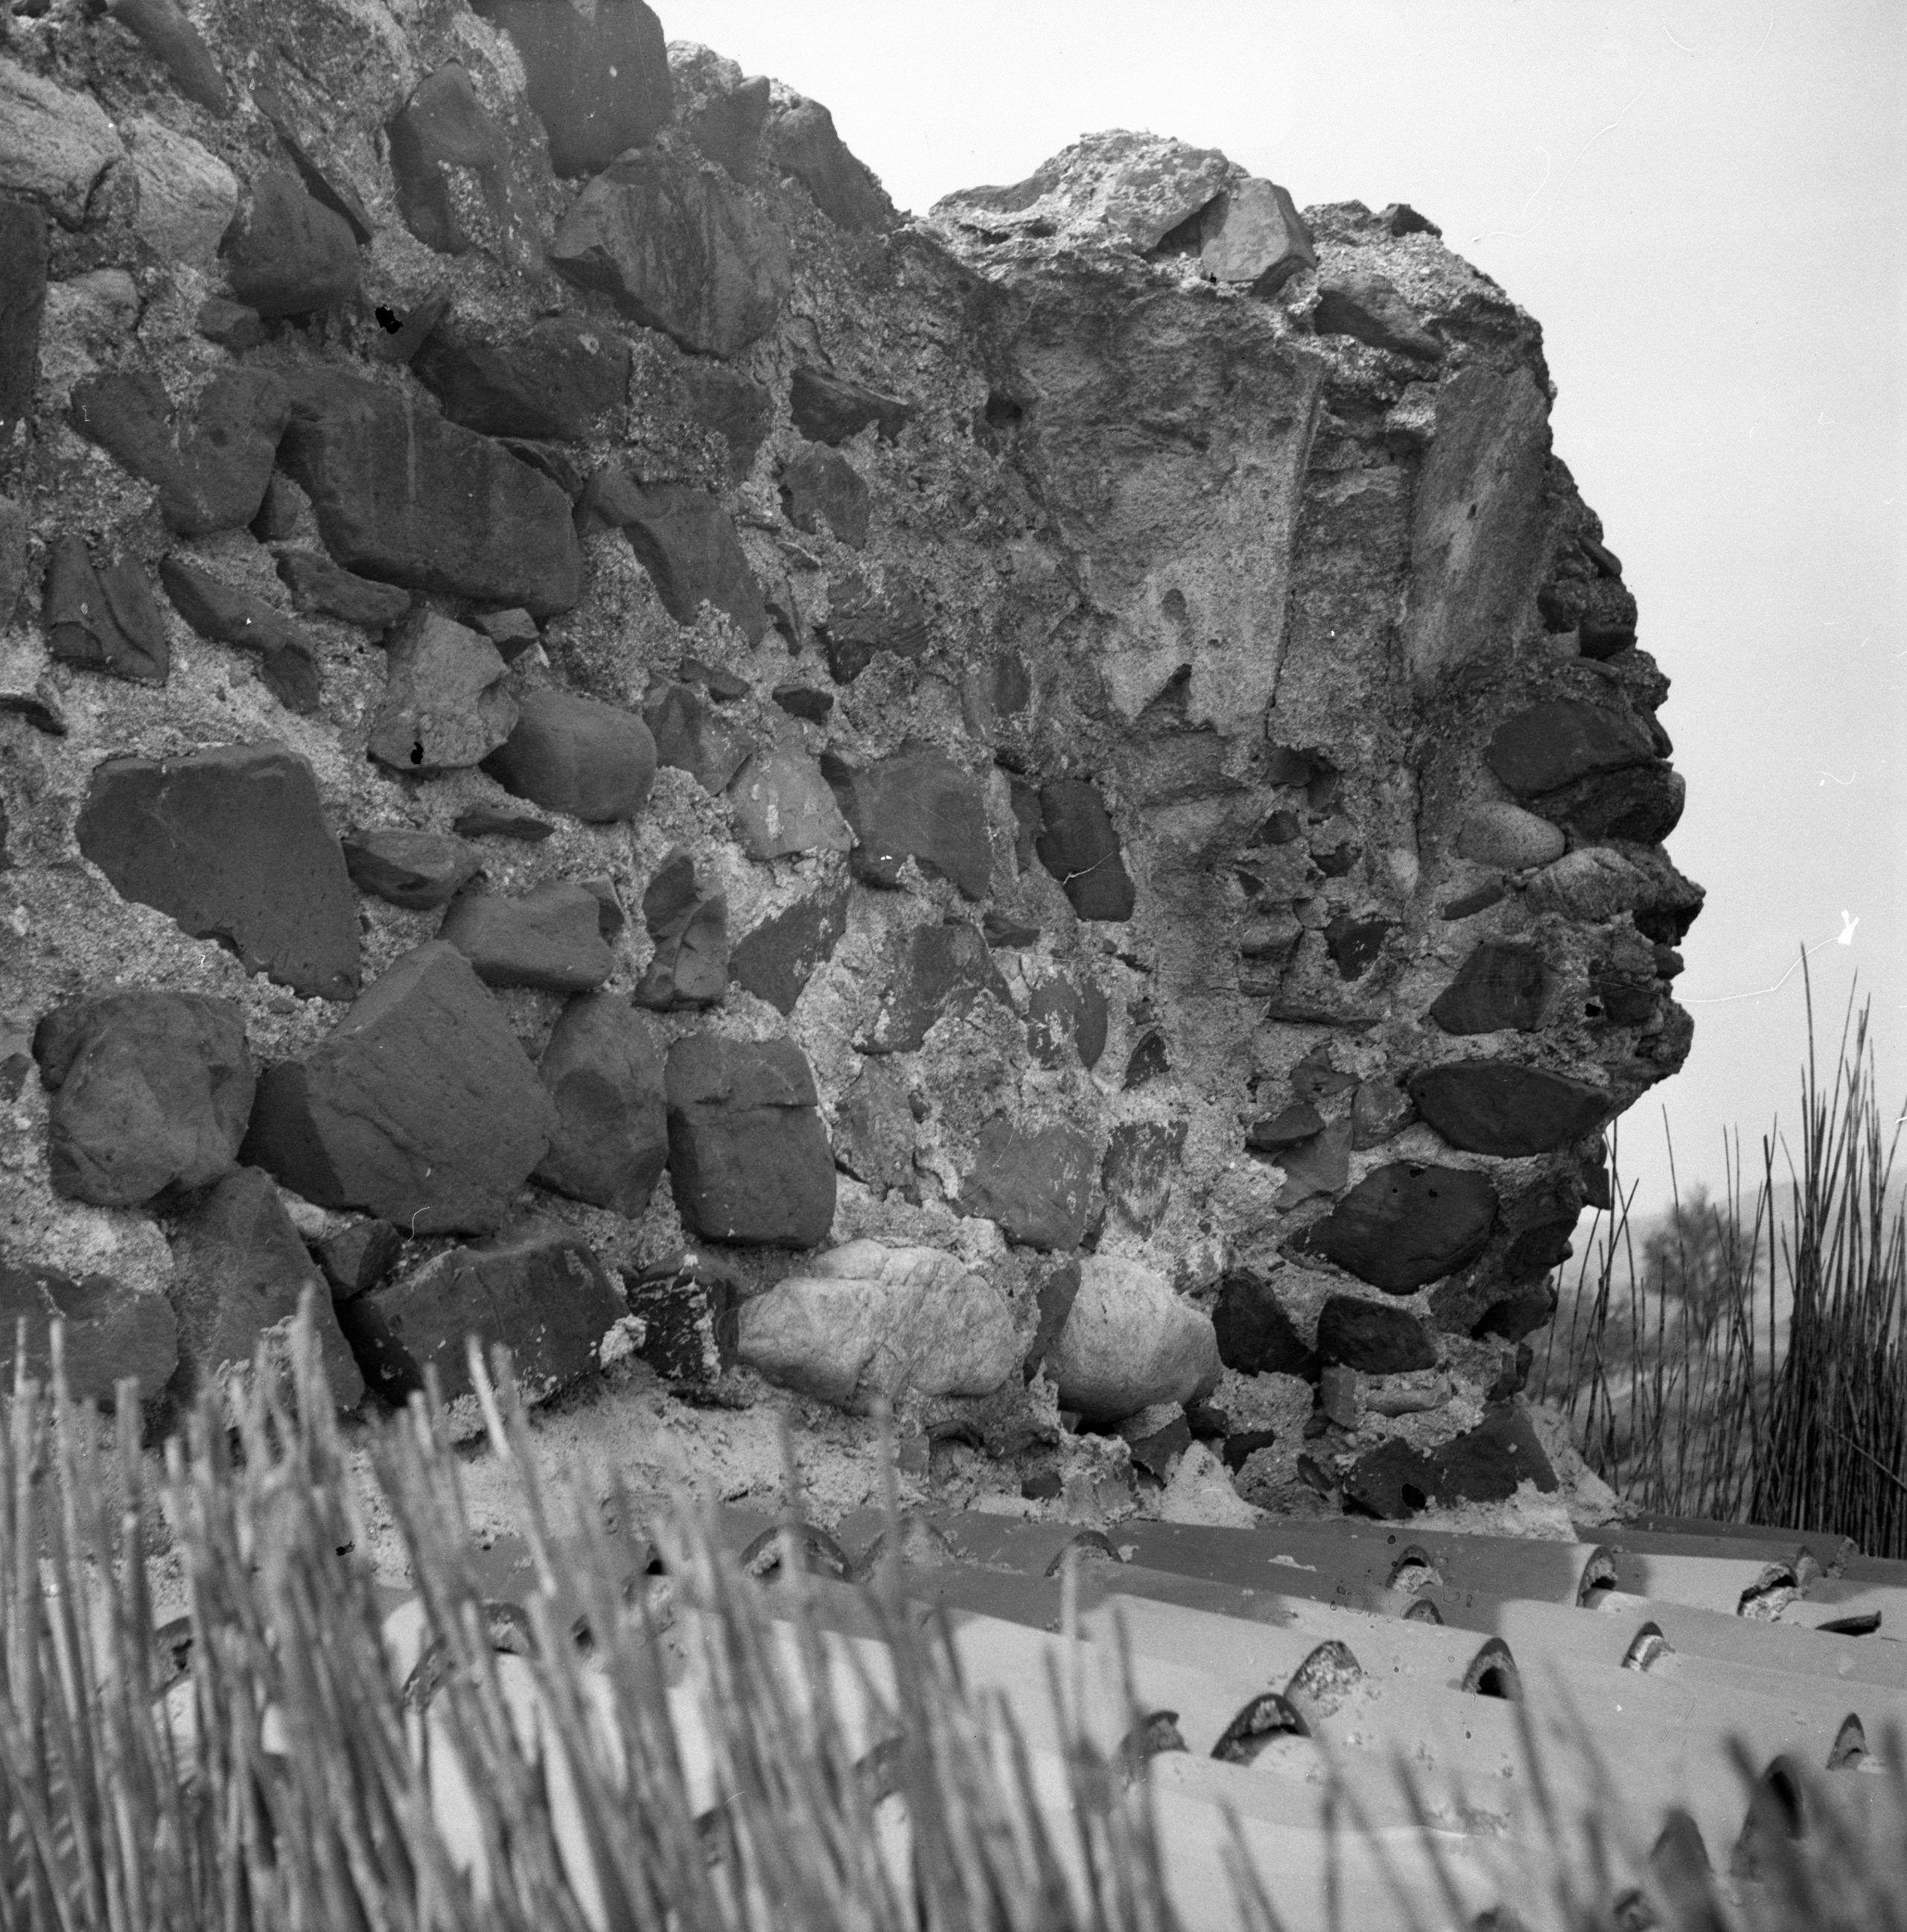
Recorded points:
(861,621)
(445,705)
(720,110)
(1514,1316)
(232,843)
(690,967)
(287,254)
(103,619)
(150,1091)
(1501,985)
(916,804)
(170,38)
(690,1309)
(1469,904)
(1078,846)
(443,124)
(801,140)
(1059,1012)
(1314,1077)
(803,701)
(1147,1061)
(829,409)
(1035,1182)
(358,1257)
(1319,1165)
(1370,308)
(416,870)
(749,1158)
(1291,1127)
(1497,1107)
(1488,1463)
(1641,805)
(1255,1335)
(287,657)
(1554,743)
(234,325)
(1156,1451)
(484,821)
(1406,1224)
(537,1289)
(1373,1338)
(238,1270)
(734,406)
(550,937)
(419,1107)
(777,959)
(1355,943)
(1379,1109)
(326,186)
(22,304)
(873,1129)
(594,761)
(111,1331)
(512,632)
(820,486)
(1392,1481)
(1002,930)
(1136,1175)
(1241,1447)
(211,471)
(13,557)
(277,513)
(1057,1295)
(555,382)
(941,969)
(687,544)
(690,737)
(318,584)
(677,250)
(604,1076)
(1026,820)
(599,83)
(402,495)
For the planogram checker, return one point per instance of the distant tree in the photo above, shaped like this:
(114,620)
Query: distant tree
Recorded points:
(1694,1257)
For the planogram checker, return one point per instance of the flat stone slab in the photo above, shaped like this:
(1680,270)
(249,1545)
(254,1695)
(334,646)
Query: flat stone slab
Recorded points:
(599,82)
(687,544)
(150,1091)
(232,843)
(1405,1224)
(402,495)
(748,1155)
(537,1288)
(1551,744)
(1497,1107)
(419,1107)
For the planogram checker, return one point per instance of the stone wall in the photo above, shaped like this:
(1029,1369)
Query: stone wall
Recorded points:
(1049,813)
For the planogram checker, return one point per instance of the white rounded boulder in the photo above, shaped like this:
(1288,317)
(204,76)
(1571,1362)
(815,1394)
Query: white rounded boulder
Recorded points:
(1130,1342)
(866,1320)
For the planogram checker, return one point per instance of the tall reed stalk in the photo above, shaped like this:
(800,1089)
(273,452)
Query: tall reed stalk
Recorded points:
(1746,1372)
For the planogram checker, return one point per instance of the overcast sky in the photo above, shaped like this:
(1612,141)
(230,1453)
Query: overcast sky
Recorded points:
(1705,203)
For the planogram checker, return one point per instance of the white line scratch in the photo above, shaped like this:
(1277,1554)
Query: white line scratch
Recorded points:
(1844,937)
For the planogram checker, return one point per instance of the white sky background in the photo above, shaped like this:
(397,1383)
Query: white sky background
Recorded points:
(1705,203)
